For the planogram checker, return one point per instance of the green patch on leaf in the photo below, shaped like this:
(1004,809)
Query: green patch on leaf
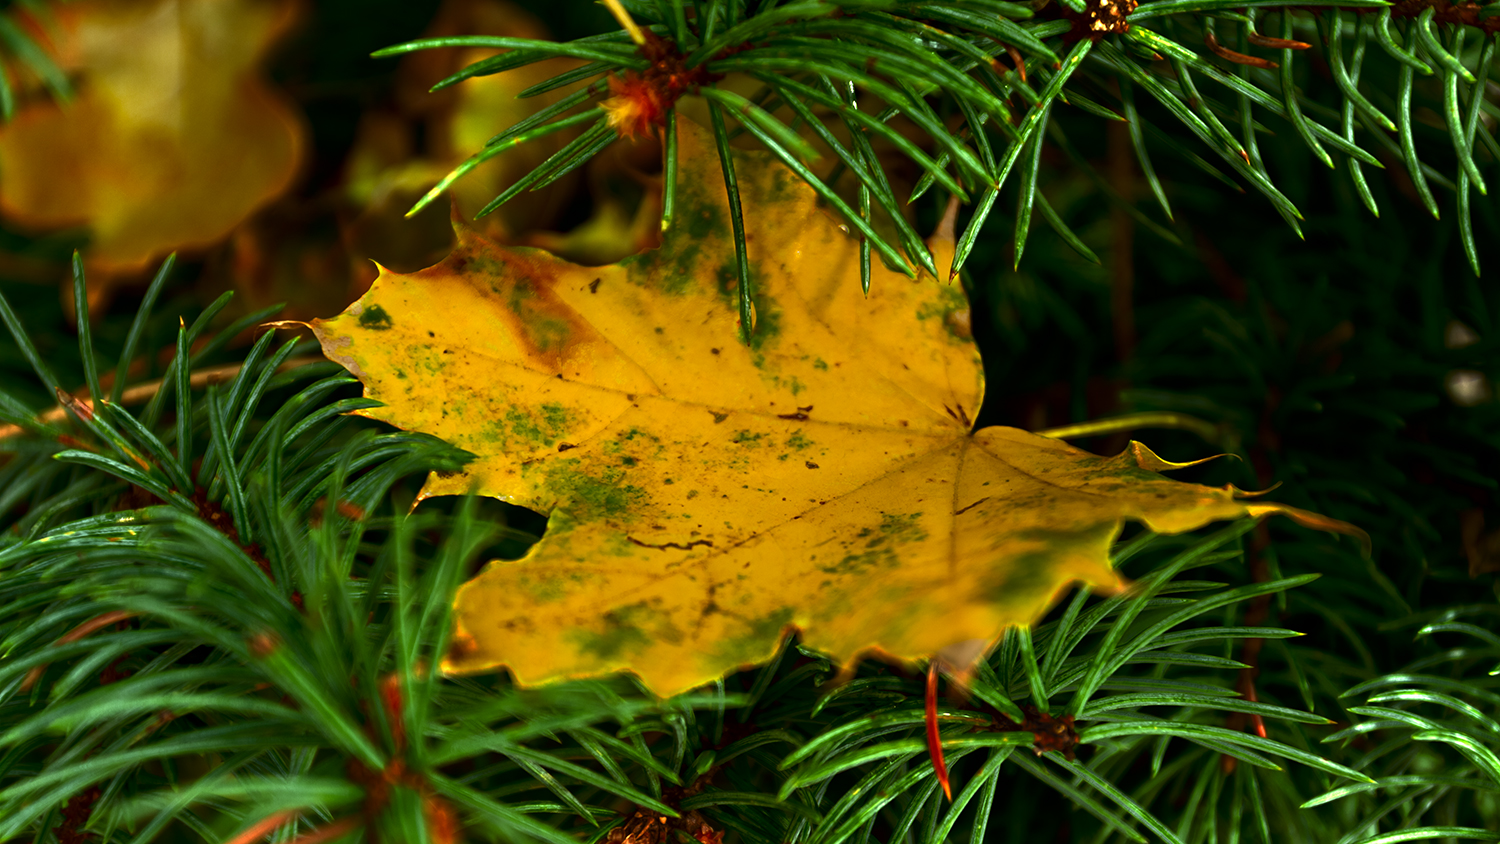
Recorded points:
(950,301)
(590,497)
(545,427)
(374,318)
(622,633)
(544,331)
(682,275)
(705,221)
(762,630)
(875,548)
(544,587)
(767,321)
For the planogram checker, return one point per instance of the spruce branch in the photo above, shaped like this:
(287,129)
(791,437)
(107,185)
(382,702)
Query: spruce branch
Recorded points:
(920,59)
(165,589)
(144,392)
(318,649)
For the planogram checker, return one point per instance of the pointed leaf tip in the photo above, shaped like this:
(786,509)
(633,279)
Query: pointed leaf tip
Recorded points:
(1316,521)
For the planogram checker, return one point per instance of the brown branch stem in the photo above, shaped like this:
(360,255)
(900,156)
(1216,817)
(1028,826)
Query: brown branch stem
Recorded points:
(330,831)
(94,624)
(1121,162)
(142,393)
(264,827)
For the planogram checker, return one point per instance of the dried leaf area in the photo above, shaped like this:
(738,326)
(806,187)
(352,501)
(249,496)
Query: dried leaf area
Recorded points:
(174,137)
(705,497)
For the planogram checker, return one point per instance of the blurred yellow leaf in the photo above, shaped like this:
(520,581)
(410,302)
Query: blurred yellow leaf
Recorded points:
(624,182)
(173,138)
(387,171)
(704,497)
(317,252)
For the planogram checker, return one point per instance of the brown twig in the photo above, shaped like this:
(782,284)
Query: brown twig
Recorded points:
(76,815)
(1020,63)
(1463,12)
(98,622)
(329,832)
(647,826)
(1099,18)
(1238,58)
(1256,613)
(1275,43)
(1056,733)
(1258,609)
(1122,239)
(264,827)
(934,738)
(142,393)
(1015,57)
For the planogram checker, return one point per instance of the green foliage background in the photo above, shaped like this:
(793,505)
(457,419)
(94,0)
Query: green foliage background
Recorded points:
(1321,361)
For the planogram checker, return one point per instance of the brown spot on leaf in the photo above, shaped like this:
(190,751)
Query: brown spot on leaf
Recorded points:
(462,647)
(960,323)
(545,327)
(665,545)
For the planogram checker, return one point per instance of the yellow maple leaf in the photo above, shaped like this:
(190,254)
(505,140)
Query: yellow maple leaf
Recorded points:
(173,138)
(705,497)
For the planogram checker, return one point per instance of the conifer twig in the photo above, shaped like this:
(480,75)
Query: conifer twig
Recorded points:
(142,393)
(89,627)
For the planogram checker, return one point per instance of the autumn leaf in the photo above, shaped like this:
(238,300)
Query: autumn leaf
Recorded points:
(704,497)
(173,138)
